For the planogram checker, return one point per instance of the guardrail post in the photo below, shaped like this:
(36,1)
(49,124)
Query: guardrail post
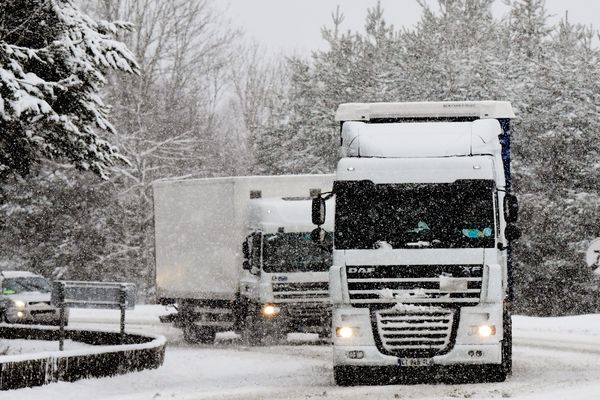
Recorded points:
(122,305)
(61,336)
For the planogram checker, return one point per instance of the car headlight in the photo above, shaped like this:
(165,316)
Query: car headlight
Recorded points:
(19,303)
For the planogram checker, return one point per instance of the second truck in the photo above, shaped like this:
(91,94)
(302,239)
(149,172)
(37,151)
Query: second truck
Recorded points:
(235,254)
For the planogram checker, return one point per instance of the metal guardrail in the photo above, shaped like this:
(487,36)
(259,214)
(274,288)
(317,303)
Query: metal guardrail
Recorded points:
(89,294)
(112,356)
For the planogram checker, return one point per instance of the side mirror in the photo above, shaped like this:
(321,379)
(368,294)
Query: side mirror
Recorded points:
(512,232)
(318,211)
(511,208)
(245,249)
(318,235)
(246,265)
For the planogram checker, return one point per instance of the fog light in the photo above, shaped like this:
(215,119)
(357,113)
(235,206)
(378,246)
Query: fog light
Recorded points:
(356,354)
(269,310)
(20,314)
(345,332)
(486,330)
(473,353)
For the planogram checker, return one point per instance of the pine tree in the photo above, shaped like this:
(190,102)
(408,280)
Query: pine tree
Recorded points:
(53,61)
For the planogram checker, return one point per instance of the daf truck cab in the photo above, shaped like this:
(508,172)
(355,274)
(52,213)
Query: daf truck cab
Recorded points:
(285,286)
(422,276)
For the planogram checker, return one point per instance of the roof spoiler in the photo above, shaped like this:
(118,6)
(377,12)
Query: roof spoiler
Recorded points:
(424,110)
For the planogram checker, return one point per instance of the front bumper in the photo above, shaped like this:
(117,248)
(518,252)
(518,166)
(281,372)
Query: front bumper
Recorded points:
(303,317)
(46,315)
(466,348)
(460,354)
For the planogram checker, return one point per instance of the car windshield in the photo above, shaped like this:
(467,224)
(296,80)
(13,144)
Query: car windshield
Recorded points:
(296,252)
(28,284)
(444,215)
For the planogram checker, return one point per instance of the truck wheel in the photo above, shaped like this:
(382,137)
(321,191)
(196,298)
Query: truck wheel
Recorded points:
(507,342)
(250,334)
(196,334)
(345,375)
(258,331)
(498,373)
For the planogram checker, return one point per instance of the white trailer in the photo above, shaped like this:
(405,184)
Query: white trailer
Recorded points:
(201,226)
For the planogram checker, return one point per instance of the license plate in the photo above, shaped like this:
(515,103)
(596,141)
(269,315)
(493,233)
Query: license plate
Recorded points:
(415,362)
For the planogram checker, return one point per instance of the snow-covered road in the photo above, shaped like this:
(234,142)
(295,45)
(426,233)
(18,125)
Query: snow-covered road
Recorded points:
(554,358)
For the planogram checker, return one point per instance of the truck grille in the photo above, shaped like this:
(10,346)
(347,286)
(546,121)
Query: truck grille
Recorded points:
(420,284)
(301,292)
(306,315)
(421,332)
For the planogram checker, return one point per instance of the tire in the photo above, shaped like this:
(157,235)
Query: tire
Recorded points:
(495,373)
(250,333)
(507,342)
(258,331)
(195,334)
(499,373)
(344,375)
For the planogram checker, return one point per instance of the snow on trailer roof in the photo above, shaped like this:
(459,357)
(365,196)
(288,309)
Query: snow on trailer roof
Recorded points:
(439,109)
(232,179)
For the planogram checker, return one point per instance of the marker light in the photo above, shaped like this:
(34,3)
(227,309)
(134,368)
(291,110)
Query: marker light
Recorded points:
(345,332)
(20,314)
(486,330)
(269,310)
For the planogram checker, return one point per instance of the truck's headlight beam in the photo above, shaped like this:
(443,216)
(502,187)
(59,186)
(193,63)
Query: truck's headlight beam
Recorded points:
(486,330)
(346,332)
(269,310)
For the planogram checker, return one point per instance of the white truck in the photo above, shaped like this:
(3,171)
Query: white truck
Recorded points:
(235,254)
(421,276)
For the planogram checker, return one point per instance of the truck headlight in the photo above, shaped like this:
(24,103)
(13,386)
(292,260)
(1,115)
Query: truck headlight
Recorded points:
(269,310)
(483,330)
(19,303)
(346,332)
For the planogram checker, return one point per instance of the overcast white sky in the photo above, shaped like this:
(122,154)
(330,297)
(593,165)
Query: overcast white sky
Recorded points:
(294,25)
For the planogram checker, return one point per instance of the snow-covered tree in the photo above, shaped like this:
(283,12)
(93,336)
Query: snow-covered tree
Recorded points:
(53,61)
(168,119)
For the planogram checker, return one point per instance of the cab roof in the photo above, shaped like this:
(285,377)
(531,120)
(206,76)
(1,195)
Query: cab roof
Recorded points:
(17,274)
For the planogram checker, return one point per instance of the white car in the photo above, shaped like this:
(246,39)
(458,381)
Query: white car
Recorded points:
(25,298)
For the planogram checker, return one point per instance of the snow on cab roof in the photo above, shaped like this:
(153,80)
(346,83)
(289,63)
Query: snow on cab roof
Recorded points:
(291,213)
(18,274)
(434,109)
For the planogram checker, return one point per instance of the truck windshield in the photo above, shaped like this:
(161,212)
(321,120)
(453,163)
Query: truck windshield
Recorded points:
(295,252)
(400,216)
(29,284)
